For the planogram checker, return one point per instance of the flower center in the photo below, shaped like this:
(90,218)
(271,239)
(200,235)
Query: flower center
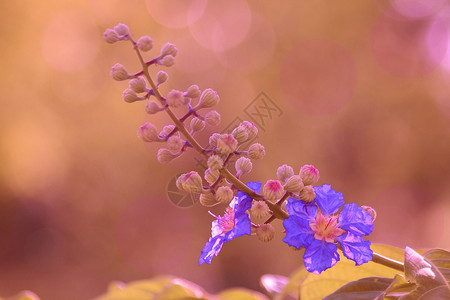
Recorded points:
(226,222)
(325,228)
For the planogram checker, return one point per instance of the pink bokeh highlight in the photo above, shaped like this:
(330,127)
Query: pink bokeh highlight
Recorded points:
(318,77)
(416,9)
(176,13)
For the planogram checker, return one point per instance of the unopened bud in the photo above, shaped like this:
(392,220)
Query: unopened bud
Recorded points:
(284,172)
(212,118)
(243,166)
(211,176)
(273,190)
(213,139)
(175,98)
(256,151)
(197,124)
(175,143)
(168,49)
(110,36)
(138,84)
(240,134)
(145,43)
(307,194)
(215,162)
(208,199)
(265,232)
(151,107)
(371,211)
(166,61)
(294,184)
(193,91)
(165,156)
(130,96)
(119,73)
(310,175)
(192,182)
(167,130)
(226,144)
(208,98)
(252,131)
(259,210)
(161,77)
(224,194)
(121,29)
(147,132)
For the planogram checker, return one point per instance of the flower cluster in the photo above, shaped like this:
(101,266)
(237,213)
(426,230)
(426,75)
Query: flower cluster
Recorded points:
(311,219)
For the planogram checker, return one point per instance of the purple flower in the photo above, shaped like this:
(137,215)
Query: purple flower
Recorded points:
(317,227)
(234,223)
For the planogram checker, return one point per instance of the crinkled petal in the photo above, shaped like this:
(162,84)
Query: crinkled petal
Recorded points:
(298,232)
(244,200)
(211,249)
(328,199)
(242,226)
(301,209)
(355,248)
(215,228)
(355,220)
(320,256)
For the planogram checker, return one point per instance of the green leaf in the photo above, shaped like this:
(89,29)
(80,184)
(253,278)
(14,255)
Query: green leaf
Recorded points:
(365,288)
(441,259)
(241,294)
(399,287)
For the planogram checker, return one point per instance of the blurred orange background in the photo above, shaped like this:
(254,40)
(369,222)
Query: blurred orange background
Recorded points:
(362,91)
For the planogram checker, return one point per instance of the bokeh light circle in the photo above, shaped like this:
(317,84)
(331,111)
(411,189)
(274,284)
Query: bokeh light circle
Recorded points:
(70,41)
(318,77)
(417,9)
(176,13)
(223,25)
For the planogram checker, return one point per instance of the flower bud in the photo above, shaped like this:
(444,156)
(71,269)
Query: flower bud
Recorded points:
(168,49)
(307,194)
(208,98)
(193,92)
(166,61)
(224,194)
(167,130)
(144,43)
(252,131)
(310,175)
(226,144)
(211,176)
(256,151)
(197,124)
(175,143)
(284,172)
(130,96)
(208,199)
(179,182)
(175,98)
(265,232)
(273,190)
(192,182)
(213,139)
(110,36)
(165,156)
(259,210)
(147,132)
(119,73)
(151,107)
(138,84)
(371,211)
(212,118)
(294,184)
(240,134)
(243,166)
(121,29)
(161,77)
(215,162)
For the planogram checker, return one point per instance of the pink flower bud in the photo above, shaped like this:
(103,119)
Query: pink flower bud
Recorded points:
(175,143)
(151,107)
(161,77)
(294,184)
(208,98)
(165,156)
(252,131)
(243,166)
(175,98)
(259,210)
(240,134)
(121,29)
(110,36)
(208,199)
(213,139)
(284,172)
(226,144)
(215,162)
(211,176)
(197,125)
(307,194)
(310,175)
(265,232)
(148,133)
(119,73)
(138,85)
(256,151)
(193,92)
(168,49)
(192,182)
(224,194)
(144,43)
(212,118)
(166,61)
(167,130)
(130,96)
(273,190)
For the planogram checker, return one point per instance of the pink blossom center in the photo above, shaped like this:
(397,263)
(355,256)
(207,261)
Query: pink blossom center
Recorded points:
(274,186)
(226,223)
(325,228)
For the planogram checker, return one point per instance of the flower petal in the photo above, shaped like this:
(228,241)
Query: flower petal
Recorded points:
(320,256)
(244,200)
(303,210)
(355,248)
(298,232)
(211,249)
(355,220)
(242,226)
(328,199)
